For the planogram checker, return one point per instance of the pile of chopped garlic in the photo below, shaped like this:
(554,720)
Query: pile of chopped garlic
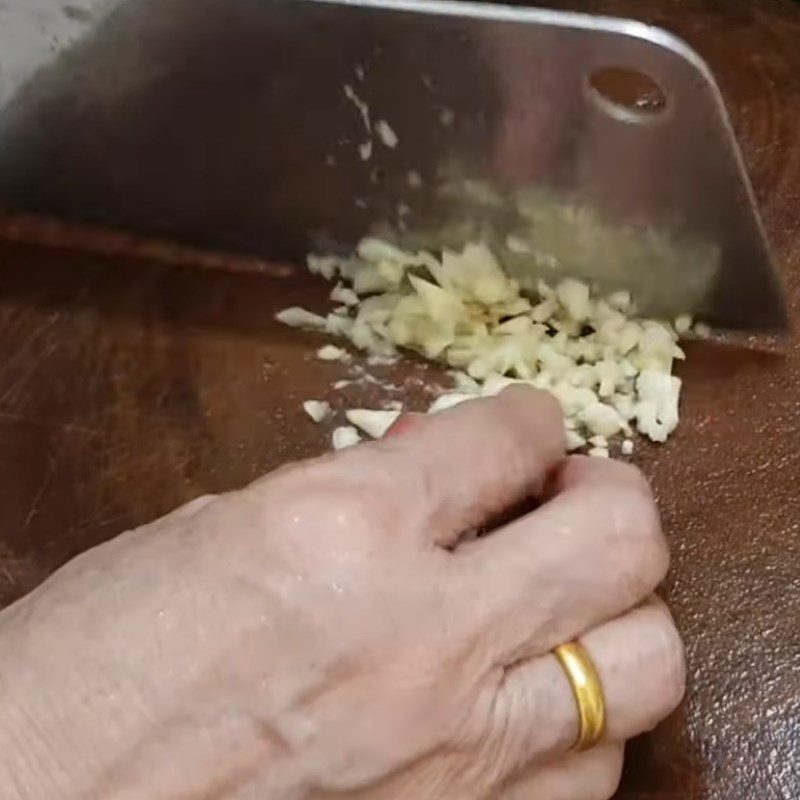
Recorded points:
(611,371)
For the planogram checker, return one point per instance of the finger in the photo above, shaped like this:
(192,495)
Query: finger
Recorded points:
(186,511)
(406,423)
(457,469)
(593,775)
(586,556)
(639,658)
(193,507)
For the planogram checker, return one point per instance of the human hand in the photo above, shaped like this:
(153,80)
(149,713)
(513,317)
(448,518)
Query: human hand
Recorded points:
(326,632)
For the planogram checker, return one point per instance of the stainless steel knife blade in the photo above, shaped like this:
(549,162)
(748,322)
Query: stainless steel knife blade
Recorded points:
(592,146)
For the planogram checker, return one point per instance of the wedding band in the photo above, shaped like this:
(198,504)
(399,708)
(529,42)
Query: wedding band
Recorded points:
(588,691)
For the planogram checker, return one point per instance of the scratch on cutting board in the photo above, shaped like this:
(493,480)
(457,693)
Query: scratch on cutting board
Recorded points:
(27,355)
(101,522)
(69,427)
(7,574)
(43,487)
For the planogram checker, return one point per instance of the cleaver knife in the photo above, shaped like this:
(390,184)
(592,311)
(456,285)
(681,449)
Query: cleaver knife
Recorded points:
(574,144)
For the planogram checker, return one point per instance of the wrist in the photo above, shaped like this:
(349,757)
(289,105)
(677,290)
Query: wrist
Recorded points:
(29,765)
(59,738)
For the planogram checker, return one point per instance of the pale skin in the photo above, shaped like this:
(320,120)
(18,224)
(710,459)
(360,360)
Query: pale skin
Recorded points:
(325,632)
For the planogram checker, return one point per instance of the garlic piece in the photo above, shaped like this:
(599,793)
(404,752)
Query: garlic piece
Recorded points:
(344,437)
(332,353)
(386,134)
(599,452)
(342,294)
(574,441)
(318,410)
(296,317)
(574,295)
(601,419)
(657,409)
(373,423)
(683,325)
(451,400)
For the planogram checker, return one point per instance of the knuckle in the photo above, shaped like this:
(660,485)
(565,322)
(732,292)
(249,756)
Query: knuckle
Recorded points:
(531,427)
(625,475)
(640,526)
(663,656)
(593,775)
(672,658)
(618,498)
(536,403)
(608,775)
(340,510)
(312,498)
(547,405)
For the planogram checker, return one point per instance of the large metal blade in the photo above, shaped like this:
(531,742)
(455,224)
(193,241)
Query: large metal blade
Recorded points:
(269,126)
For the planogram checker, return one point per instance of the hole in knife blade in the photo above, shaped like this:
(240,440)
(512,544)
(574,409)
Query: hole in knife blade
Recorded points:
(627,94)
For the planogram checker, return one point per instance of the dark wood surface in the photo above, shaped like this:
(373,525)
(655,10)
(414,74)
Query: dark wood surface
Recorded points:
(129,385)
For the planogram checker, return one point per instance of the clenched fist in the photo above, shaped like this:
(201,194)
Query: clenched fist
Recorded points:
(332,631)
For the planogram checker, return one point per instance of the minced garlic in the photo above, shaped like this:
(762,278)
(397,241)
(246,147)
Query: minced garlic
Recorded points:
(610,370)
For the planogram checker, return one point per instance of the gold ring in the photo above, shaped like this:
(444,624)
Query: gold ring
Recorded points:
(588,691)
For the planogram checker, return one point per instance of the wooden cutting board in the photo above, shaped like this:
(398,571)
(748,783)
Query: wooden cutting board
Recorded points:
(129,385)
